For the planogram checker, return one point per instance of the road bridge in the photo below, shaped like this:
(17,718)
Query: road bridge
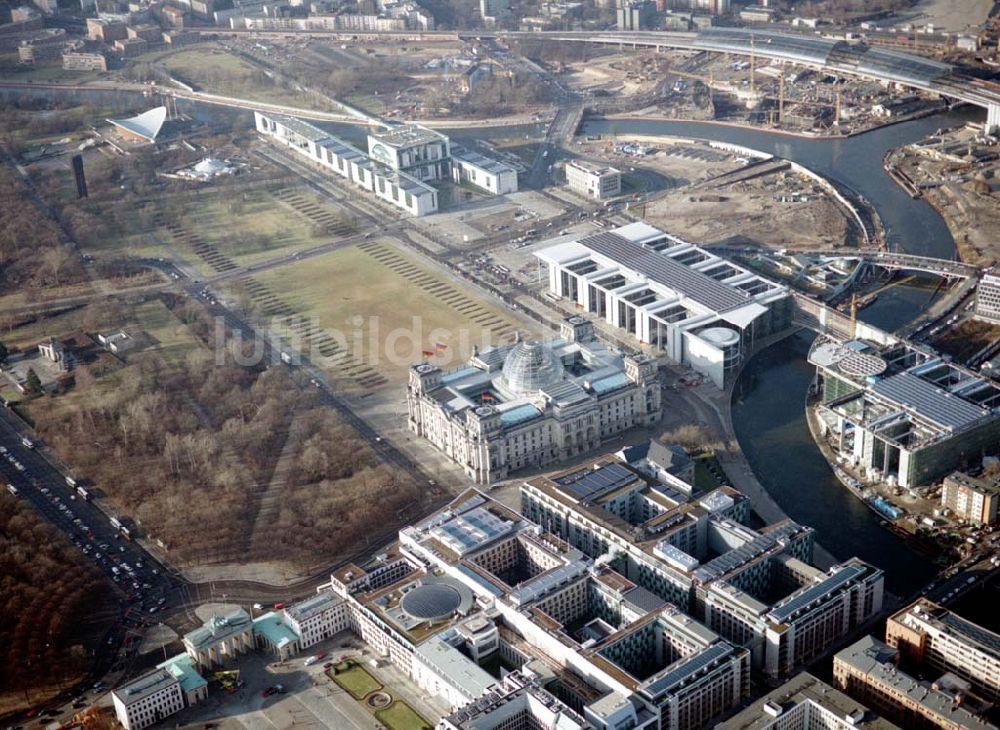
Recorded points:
(830,55)
(883,259)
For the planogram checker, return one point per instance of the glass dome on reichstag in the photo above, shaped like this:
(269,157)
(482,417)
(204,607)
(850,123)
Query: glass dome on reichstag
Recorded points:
(531,366)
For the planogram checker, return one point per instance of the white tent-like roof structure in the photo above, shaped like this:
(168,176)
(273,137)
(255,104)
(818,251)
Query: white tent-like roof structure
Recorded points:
(146,125)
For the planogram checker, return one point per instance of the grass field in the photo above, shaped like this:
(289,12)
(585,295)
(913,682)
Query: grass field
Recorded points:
(384,309)
(400,716)
(212,69)
(357,681)
(240,228)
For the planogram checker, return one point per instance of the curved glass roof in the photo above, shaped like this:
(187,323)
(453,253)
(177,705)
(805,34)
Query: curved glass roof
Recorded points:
(531,366)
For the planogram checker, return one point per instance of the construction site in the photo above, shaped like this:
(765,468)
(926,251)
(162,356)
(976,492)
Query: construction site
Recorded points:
(955,170)
(703,85)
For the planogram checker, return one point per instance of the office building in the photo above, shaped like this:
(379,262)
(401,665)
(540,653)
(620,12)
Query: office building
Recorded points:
(868,671)
(149,33)
(130,47)
(106,31)
(971,499)
(593,181)
(317,619)
(529,404)
(46,48)
(496,178)
(494,11)
(755,588)
(84,61)
(903,414)
(693,306)
(515,703)
(806,703)
(148,700)
(388,183)
(988,298)
(930,638)
(220,639)
(635,15)
(419,152)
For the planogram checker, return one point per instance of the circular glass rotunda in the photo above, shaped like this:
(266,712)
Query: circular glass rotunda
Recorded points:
(531,366)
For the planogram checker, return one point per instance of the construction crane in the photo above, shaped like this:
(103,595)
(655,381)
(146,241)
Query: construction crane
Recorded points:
(854,315)
(753,65)
(781,98)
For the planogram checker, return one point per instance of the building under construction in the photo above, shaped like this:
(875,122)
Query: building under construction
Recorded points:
(902,413)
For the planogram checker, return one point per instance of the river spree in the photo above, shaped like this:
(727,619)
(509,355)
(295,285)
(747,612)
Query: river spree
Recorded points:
(768,406)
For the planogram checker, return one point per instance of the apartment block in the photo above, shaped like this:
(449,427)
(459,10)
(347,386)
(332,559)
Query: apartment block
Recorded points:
(929,637)
(868,671)
(971,499)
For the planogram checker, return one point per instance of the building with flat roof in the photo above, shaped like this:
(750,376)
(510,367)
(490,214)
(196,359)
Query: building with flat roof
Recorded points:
(106,31)
(755,588)
(693,306)
(804,703)
(84,61)
(971,499)
(393,185)
(529,404)
(901,412)
(514,703)
(317,618)
(868,671)
(148,699)
(988,298)
(421,153)
(593,181)
(930,638)
(468,166)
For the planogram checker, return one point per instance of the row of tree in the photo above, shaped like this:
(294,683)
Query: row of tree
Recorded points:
(53,607)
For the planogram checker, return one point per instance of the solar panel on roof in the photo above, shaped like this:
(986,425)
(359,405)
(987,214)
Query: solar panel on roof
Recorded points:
(665,270)
(589,483)
(813,593)
(687,668)
(985,638)
(927,400)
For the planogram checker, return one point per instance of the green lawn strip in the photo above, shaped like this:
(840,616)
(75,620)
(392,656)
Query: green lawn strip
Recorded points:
(400,716)
(357,682)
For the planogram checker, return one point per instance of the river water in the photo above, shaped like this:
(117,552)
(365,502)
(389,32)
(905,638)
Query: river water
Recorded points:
(768,405)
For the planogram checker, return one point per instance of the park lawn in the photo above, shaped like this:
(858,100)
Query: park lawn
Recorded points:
(258,228)
(400,716)
(248,231)
(214,70)
(384,318)
(357,681)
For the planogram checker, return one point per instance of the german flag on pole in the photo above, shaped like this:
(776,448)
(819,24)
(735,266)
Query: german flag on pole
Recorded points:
(440,347)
